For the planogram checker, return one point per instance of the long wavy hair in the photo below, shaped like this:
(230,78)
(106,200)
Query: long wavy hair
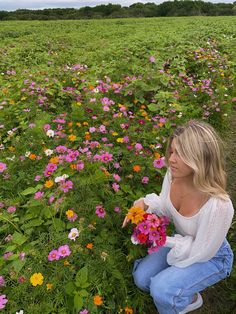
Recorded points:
(201,148)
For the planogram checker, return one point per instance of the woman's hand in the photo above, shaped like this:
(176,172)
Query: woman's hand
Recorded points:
(139,203)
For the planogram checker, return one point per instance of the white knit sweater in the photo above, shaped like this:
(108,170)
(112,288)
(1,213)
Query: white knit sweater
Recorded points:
(198,237)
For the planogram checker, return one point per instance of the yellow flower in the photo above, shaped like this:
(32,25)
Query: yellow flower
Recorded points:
(54,160)
(114,133)
(48,184)
(78,103)
(66,263)
(78,124)
(97,300)
(49,286)
(120,140)
(69,213)
(135,214)
(85,123)
(36,279)
(72,137)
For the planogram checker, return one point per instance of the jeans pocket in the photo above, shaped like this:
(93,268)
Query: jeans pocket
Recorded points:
(136,263)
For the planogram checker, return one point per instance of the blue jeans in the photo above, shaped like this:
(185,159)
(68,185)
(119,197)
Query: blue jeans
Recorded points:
(173,288)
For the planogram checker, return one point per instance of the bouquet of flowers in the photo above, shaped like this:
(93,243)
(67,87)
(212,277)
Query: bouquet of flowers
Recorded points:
(150,230)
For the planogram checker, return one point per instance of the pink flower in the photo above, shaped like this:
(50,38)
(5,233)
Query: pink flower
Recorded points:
(152,59)
(53,255)
(80,165)
(138,146)
(3,301)
(154,235)
(65,186)
(159,163)
(116,177)
(38,195)
(22,256)
(3,167)
(153,249)
(117,209)
(144,227)
(2,281)
(11,209)
(154,220)
(145,180)
(115,187)
(100,211)
(84,312)
(64,250)
(37,178)
(106,157)
(51,199)
(7,255)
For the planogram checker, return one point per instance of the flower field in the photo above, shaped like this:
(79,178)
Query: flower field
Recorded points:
(86,108)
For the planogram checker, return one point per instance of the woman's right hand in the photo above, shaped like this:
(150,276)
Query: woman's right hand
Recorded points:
(139,203)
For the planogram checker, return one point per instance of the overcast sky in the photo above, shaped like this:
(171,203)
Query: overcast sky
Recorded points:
(11,5)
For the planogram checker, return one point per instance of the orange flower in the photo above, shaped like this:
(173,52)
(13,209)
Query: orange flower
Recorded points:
(136,168)
(72,137)
(157,156)
(32,156)
(54,160)
(97,300)
(73,167)
(78,124)
(49,286)
(128,310)
(87,136)
(70,213)
(135,214)
(70,124)
(85,123)
(89,246)
(48,184)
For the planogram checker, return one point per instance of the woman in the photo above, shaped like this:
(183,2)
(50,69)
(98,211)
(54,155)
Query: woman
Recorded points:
(193,196)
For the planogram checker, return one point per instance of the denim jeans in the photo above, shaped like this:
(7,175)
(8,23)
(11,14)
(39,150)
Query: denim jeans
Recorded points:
(173,288)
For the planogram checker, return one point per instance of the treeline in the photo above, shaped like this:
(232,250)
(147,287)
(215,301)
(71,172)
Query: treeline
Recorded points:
(168,8)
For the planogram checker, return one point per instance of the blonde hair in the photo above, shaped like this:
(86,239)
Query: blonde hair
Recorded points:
(201,148)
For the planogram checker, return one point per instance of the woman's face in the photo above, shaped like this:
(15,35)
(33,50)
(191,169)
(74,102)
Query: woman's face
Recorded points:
(178,167)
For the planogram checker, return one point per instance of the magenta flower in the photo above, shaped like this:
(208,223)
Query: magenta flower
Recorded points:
(115,187)
(106,157)
(80,165)
(100,211)
(22,256)
(159,163)
(37,178)
(3,167)
(64,250)
(117,209)
(145,180)
(154,235)
(11,209)
(53,255)
(38,195)
(144,227)
(7,255)
(3,301)
(65,186)
(138,146)
(50,169)
(85,311)
(61,149)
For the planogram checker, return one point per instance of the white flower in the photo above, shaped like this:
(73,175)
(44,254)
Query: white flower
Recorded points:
(48,152)
(96,90)
(50,133)
(134,241)
(10,132)
(11,158)
(2,147)
(61,178)
(20,312)
(58,179)
(74,233)
(27,154)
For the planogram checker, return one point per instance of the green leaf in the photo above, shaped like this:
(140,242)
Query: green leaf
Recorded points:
(78,302)
(83,293)
(31,190)
(81,276)
(33,223)
(69,288)
(18,238)
(153,107)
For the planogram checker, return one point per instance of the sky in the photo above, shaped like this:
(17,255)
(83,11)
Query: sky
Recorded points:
(12,5)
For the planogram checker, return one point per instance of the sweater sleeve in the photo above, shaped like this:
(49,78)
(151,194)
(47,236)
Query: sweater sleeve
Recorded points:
(213,227)
(156,203)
